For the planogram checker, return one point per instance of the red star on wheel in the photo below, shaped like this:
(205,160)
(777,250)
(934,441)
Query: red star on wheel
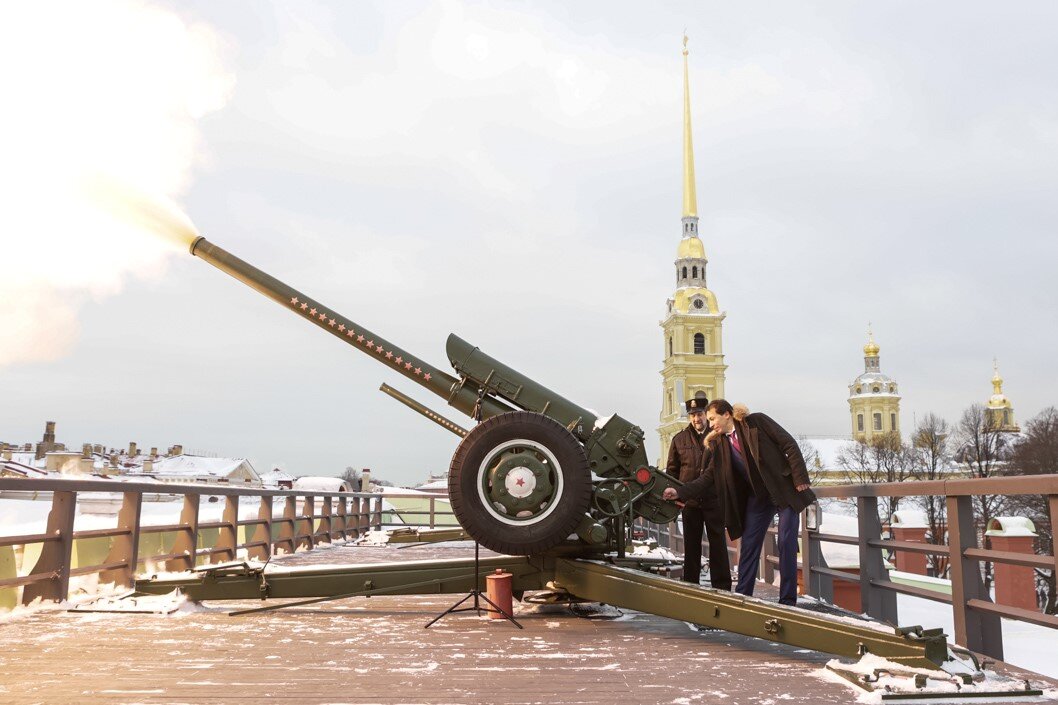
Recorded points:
(407,365)
(331,322)
(294,301)
(389,356)
(418,370)
(359,338)
(304,306)
(399,360)
(312,312)
(426,376)
(341,328)
(519,482)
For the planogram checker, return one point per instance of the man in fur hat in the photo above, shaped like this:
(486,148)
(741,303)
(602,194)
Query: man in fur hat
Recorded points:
(686,459)
(757,471)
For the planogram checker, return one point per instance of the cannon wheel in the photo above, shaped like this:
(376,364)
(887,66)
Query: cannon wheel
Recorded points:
(519,483)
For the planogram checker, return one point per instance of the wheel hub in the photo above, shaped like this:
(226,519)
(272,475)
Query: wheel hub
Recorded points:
(518,481)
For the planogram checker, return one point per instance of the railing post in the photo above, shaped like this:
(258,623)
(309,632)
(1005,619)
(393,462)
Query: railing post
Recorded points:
(765,570)
(378,514)
(1052,501)
(55,555)
(308,509)
(433,510)
(343,518)
(186,542)
(228,534)
(325,520)
(979,632)
(288,530)
(816,584)
(262,535)
(876,602)
(126,547)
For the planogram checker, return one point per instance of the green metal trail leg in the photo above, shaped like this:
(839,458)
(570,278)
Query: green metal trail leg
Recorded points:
(623,587)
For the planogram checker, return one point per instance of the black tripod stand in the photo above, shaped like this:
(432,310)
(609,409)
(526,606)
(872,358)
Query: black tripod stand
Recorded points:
(478,595)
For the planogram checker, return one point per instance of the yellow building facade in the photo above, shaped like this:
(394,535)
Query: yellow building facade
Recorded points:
(693,324)
(999,408)
(874,398)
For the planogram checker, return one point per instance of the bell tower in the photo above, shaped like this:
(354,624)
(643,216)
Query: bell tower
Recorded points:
(692,327)
(1000,410)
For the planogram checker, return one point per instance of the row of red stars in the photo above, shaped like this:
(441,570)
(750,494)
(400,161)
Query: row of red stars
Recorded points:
(350,333)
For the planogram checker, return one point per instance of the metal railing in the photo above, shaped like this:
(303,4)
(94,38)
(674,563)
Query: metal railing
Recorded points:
(976,616)
(307,519)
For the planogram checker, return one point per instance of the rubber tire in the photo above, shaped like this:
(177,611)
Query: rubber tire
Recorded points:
(480,523)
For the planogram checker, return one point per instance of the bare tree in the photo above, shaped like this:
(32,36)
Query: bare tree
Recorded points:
(813,460)
(883,459)
(1036,453)
(982,450)
(930,446)
(351,477)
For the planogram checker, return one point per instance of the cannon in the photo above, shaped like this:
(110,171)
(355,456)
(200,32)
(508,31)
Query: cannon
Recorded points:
(537,470)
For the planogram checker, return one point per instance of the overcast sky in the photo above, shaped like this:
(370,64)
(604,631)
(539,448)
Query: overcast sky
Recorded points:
(511,172)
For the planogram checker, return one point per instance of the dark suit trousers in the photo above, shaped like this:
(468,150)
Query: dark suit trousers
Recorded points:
(759,514)
(695,523)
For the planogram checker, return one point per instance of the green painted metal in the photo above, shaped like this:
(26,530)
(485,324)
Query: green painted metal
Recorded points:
(424,410)
(622,582)
(483,388)
(623,587)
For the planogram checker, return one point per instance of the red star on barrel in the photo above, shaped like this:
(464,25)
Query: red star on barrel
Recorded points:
(312,312)
(323,316)
(370,344)
(378,349)
(399,360)
(294,301)
(389,356)
(331,322)
(359,338)
(407,365)
(426,376)
(341,327)
(304,306)
(418,370)
(351,333)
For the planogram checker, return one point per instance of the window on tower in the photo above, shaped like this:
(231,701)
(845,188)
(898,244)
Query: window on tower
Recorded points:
(699,344)
(877,422)
(694,271)
(670,346)
(859,422)
(684,272)
(892,422)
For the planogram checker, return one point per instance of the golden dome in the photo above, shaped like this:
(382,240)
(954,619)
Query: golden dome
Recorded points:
(690,248)
(871,349)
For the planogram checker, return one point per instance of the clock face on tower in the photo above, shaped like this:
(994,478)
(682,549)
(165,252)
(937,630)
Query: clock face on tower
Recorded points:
(698,303)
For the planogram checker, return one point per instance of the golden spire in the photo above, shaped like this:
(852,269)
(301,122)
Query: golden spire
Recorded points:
(871,349)
(997,381)
(690,198)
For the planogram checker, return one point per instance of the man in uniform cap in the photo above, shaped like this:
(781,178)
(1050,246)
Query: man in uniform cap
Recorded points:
(687,457)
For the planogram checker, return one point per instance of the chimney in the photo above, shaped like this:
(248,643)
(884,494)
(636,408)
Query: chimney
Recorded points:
(97,448)
(7,452)
(365,480)
(148,465)
(154,452)
(133,452)
(178,449)
(113,460)
(49,432)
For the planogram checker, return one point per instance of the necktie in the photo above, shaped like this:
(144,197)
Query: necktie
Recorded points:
(735,444)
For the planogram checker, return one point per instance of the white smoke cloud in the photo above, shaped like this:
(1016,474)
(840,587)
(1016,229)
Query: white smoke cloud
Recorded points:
(98,96)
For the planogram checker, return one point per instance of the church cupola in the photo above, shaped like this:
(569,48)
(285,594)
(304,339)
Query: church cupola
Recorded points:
(874,398)
(1000,410)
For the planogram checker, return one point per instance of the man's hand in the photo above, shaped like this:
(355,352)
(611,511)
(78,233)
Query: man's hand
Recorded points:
(799,488)
(669,493)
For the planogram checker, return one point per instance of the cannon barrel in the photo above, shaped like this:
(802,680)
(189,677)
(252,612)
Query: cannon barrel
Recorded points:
(453,390)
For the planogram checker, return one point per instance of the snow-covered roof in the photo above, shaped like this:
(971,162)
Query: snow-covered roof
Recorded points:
(321,484)
(434,485)
(194,465)
(22,469)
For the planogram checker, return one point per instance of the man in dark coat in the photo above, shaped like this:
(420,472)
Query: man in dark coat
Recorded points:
(757,471)
(685,462)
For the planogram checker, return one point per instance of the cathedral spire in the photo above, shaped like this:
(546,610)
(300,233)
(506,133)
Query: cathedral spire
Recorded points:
(690,198)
